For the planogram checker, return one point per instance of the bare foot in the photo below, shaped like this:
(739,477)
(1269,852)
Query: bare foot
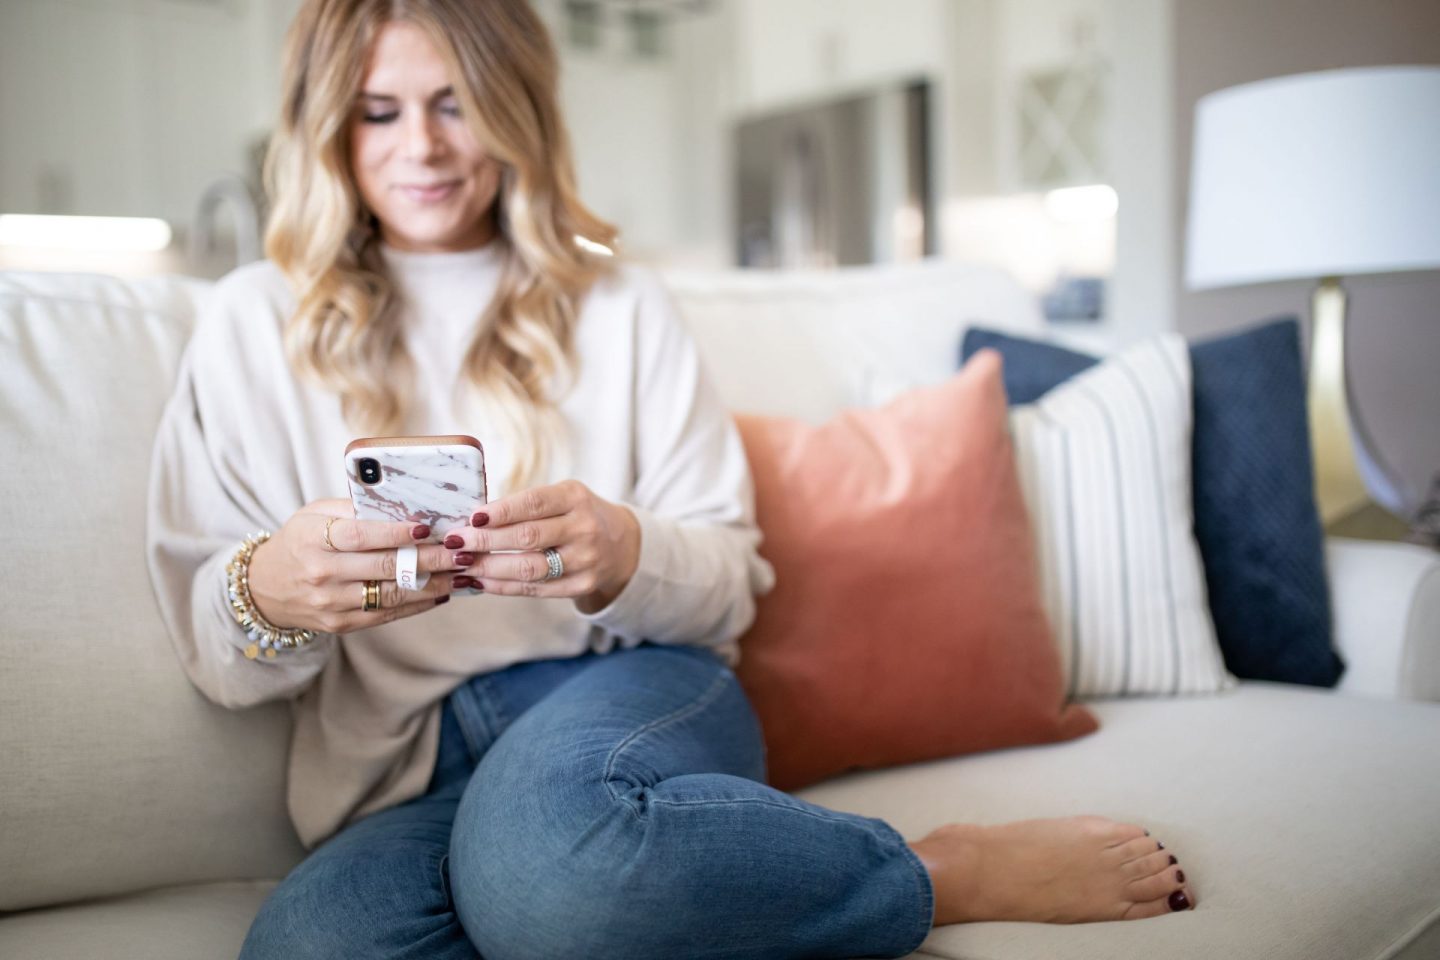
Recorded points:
(1055,871)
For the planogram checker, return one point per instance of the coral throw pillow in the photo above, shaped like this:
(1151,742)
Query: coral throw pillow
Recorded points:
(906,622)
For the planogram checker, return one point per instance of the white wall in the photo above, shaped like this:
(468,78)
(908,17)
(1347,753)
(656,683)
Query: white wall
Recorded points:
(131,107)
(1141,150)
(797,51)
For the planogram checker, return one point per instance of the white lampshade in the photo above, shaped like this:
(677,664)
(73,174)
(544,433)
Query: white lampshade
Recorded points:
(1323,174)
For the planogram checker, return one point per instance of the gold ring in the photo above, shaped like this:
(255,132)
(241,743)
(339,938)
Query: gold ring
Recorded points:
(372,595)
(328,542)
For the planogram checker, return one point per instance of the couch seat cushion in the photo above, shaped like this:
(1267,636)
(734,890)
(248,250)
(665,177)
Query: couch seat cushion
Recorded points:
(204,921)
(1308,823)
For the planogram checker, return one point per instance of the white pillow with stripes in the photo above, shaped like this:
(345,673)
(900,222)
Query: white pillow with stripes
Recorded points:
(1104,462)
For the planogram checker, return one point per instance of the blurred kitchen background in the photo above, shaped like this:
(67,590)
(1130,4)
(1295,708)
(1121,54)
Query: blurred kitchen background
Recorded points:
(1051,137)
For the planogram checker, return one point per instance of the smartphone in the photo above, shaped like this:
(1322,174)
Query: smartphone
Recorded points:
(437,480)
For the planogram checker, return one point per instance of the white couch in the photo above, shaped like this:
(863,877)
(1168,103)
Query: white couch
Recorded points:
(139,821)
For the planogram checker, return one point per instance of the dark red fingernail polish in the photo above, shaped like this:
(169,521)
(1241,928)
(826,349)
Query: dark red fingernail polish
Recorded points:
(419,532)
(1178,901)
(480,519)
(1179,876)
(1172,859)
(443,598)
(454,541)
(464,559)
(460,583)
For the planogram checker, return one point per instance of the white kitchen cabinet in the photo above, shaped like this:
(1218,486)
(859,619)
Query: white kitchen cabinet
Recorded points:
(793,51)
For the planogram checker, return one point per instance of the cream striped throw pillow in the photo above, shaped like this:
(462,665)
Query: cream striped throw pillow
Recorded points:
(1104,463)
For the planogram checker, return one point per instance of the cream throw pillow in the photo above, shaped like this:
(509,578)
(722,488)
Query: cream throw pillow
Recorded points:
(1104,465)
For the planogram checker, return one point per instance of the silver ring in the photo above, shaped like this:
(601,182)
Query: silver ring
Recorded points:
(557,566)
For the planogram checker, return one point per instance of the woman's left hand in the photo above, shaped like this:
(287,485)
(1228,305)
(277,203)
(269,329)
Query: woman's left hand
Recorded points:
(598,543)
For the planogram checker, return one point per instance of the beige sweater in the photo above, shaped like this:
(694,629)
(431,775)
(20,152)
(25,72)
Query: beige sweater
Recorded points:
(243,444)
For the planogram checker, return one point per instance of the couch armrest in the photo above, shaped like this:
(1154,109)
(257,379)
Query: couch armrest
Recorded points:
(1386,598)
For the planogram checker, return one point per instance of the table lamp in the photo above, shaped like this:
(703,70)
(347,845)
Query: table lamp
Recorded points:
(1320,176)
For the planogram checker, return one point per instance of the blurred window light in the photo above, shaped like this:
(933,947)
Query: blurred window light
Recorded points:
(88,234)
(1082,204)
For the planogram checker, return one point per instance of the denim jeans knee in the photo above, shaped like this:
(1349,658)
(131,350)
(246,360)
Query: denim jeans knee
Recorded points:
(389,901)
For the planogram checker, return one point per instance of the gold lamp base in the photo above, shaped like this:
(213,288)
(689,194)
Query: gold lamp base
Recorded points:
(1370,522)
(1346,507)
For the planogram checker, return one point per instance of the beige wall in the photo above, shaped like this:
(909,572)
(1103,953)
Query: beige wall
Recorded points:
(1394,348)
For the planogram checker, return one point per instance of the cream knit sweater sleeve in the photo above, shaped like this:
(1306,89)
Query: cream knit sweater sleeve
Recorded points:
(201,505)
(699,571)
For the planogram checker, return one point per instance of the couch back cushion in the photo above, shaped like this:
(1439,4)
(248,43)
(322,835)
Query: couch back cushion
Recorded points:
(810,344)
(118,774)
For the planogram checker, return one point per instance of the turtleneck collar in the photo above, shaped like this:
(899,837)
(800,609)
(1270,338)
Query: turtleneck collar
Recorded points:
(458,261)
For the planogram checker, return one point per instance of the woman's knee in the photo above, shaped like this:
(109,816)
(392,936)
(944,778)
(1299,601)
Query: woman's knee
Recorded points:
(534,873)
(539,911)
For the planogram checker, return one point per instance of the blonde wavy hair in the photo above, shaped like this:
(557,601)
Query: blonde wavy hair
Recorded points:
(345,333)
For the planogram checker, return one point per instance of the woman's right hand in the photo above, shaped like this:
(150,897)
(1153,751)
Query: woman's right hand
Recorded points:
(298,581)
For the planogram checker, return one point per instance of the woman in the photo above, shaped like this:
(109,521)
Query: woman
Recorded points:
(552,766)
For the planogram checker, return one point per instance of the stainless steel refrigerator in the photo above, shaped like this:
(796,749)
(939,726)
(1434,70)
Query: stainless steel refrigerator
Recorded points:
(837,183)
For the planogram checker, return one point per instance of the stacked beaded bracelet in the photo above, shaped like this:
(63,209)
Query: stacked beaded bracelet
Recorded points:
(264,635)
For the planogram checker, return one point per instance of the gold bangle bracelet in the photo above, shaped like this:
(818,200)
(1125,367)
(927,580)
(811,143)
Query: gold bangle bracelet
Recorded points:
(265,637)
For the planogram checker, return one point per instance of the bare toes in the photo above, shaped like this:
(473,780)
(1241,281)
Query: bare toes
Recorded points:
(1148,908)
(1156,885)
(1120,833)
(1173,902)
(1148,865)
(1141,846)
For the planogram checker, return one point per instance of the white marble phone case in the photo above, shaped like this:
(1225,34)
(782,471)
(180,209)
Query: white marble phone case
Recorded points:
(438,480)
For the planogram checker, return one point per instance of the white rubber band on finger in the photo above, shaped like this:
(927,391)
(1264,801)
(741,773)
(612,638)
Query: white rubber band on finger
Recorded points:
(406,576)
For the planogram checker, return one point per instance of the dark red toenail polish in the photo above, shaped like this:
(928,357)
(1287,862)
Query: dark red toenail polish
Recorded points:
(1179,876)
(1159,844)
(1178,901)
(1172,859)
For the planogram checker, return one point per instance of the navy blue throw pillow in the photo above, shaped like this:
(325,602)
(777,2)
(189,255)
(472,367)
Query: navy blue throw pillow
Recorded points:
(1255,516)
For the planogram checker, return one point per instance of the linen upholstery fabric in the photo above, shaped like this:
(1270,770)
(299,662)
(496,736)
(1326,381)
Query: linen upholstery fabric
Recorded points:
(1387,617)
(1302,864)
(118,775)
(906,622)
(203,921)
(1256,521)
(1105,466)
(848,337)
(1308,823)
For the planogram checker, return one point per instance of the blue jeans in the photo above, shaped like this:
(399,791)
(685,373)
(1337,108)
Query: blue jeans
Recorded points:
(602,806)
